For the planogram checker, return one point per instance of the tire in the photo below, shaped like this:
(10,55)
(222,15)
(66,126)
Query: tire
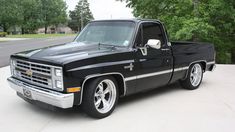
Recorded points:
(194,77)
(99,103)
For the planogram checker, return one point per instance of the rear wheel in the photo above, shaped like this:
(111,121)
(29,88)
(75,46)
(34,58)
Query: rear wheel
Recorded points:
(194,77)
(100,97)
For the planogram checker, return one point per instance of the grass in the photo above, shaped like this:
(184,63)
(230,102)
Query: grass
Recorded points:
(38,35)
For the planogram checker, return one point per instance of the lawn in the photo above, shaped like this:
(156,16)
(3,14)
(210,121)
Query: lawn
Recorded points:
(39,35)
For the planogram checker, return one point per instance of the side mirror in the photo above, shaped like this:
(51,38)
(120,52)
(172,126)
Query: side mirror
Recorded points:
(154,43)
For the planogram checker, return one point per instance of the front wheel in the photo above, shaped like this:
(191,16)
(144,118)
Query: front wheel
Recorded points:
(100,97)
(194,77)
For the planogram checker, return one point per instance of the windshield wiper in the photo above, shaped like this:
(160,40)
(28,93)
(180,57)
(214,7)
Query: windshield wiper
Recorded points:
(110,45)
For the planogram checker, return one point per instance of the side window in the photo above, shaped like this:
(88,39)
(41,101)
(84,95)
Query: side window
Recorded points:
(152,31)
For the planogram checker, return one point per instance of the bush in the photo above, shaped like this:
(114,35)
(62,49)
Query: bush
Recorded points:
(233,56)
(3,34)
(223,57)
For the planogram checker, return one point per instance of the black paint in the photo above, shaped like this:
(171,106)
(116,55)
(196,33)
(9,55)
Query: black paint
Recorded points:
(108,60)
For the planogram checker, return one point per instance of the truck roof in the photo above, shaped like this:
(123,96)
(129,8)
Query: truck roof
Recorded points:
(136,20)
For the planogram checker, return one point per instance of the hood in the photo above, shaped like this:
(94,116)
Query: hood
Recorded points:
(67,52)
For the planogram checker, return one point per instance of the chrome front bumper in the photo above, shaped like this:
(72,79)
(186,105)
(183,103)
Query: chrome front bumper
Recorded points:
(46,96)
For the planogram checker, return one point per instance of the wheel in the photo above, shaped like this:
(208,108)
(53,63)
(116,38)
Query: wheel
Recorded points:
(100,97)
(194,77)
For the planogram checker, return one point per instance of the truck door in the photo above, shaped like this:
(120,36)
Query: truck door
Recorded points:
(155,65)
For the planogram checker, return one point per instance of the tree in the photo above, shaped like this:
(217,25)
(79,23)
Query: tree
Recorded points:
(31,18)
(194,20)
(10,13)
(31,14)
(53,12)
(80,16)
(74,22)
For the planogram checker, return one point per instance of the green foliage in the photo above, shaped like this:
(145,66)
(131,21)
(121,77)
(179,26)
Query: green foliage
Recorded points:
(32,14)
(53,12)
(81,14)
(9,13)
(195,20)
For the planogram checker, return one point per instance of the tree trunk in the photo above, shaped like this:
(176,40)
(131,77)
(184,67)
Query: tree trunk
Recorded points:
(22,30)
(45,29)
(195,38)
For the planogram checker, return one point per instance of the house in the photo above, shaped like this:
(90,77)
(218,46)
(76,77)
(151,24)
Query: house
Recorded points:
(60,29)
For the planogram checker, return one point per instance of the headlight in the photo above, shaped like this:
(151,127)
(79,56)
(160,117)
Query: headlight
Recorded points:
(58,72)
(58,84)
(57,77)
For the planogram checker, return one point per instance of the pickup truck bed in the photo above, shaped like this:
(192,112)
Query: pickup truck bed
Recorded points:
(186,53)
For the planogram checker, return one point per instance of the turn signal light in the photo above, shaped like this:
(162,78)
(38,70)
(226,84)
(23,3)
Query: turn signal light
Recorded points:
(72,90)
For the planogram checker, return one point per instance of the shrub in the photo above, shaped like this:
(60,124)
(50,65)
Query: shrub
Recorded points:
(3,34)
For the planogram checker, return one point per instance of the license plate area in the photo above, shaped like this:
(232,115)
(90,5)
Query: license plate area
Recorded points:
(27,93)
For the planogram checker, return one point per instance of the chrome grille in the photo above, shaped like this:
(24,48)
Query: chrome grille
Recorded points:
(35,73)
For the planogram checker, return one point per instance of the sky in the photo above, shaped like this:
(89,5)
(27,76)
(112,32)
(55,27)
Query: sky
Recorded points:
(105,9)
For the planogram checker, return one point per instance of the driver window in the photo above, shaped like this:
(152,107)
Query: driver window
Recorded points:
(151,31)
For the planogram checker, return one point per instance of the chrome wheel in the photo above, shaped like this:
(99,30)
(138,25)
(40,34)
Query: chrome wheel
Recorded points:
(196,75)
(105,96)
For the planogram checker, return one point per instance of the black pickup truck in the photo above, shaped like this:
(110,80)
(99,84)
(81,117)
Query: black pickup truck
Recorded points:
(107,60)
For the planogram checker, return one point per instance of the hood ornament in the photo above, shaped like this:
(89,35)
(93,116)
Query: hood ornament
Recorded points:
(29,72)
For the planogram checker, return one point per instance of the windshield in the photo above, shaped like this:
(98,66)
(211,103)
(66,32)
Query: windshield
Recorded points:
(110,33)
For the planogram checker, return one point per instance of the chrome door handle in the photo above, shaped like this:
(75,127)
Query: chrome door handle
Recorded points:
(165,49)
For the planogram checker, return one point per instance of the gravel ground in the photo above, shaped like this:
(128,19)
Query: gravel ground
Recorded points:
(211,108)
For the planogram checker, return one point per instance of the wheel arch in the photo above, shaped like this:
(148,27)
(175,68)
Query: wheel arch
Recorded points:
(202,62)
(118,76)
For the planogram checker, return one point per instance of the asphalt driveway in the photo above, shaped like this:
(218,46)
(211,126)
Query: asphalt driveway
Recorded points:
(211,108)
